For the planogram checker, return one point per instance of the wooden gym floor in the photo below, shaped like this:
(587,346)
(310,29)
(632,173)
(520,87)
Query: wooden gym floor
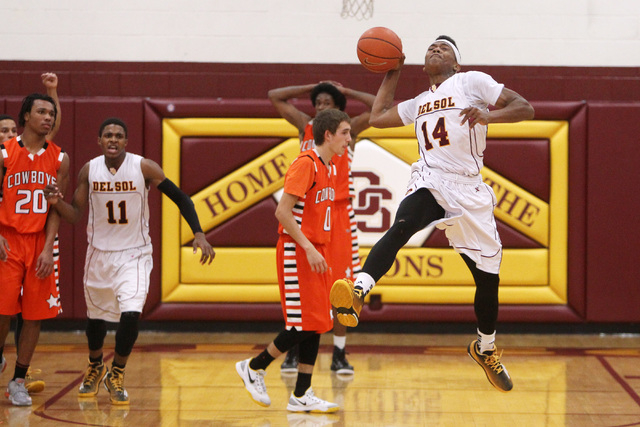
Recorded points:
(189,379)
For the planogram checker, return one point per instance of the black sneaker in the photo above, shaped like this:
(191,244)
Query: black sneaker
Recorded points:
(114,383)
(493,368)
(92,378)
(290,364)
(339,364)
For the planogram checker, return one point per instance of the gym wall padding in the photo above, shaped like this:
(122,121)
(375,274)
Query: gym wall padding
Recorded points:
(600,105)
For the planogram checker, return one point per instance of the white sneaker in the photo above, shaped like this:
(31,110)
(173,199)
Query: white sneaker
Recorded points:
(17,393)
(254,382)
(310,403)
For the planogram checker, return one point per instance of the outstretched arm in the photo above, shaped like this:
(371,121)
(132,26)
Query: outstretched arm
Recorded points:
(384,113)
(360,122)
(50,81)
(280,99)
(511,107)
(154,174)
(70,212)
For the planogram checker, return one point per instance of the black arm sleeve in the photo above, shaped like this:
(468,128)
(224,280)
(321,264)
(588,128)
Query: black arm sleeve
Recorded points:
(183,202)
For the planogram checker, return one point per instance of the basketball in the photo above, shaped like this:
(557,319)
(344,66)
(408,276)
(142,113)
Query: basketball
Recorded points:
(379,49)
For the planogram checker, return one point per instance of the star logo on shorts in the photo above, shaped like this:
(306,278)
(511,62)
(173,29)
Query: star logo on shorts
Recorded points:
(53,301)
(347,272)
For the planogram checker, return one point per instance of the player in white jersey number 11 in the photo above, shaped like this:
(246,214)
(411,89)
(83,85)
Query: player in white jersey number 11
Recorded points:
(119,259)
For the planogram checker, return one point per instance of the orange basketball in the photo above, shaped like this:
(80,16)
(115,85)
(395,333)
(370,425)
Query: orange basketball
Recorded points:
(379,49)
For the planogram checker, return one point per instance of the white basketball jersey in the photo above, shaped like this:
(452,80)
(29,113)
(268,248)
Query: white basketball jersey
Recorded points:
(118,205)
(443,143)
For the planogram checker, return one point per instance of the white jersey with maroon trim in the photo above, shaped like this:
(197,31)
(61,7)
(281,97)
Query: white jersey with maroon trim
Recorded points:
(443,143)
(118,205)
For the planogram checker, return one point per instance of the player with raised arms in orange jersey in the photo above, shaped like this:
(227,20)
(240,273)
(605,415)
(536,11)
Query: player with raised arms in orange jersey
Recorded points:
(344,259)
(305,216)
(28,228)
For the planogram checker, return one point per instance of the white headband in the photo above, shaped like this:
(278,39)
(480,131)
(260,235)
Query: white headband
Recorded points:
(453,46)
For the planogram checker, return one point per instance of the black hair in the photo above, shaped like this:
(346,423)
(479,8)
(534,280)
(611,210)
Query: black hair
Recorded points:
(113,121)
(338,97)
(327,120)
(27,104)
(447,38)
(6,117)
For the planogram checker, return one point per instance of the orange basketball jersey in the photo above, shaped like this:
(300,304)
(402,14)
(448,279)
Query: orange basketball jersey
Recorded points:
(344,181)
(314,184)
(24,207)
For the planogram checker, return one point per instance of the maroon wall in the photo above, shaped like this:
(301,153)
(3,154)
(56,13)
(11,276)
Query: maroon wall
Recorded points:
(603,267)
(613,203)
(229,81)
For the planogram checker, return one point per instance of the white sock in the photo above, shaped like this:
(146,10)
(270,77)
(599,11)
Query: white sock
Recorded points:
(365,281)
(339,342)
(486,342)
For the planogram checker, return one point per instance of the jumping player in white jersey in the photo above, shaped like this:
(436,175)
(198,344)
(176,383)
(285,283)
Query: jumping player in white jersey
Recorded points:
(119,262)
(446,188)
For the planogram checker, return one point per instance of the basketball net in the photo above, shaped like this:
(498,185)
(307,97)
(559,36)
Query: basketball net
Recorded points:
(359,9)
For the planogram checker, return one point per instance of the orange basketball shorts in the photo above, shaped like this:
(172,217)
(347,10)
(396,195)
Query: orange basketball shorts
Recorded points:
(304,295)
(21,290)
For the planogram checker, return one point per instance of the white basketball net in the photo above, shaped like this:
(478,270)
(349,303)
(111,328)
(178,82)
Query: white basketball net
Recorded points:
(359,9)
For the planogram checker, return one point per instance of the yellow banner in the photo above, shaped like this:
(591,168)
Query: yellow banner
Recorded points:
(243,187)
(419,275)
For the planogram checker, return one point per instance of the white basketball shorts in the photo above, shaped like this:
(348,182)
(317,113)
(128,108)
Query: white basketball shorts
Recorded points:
(116,281)
(469,223)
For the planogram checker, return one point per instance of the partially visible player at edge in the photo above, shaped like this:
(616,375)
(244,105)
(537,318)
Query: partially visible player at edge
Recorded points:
(119,255)
(446,188)
(344,259)
(8,130)
(27,232)
(304,215)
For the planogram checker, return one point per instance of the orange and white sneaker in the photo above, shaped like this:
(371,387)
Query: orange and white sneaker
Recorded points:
(17,394)
(348,301)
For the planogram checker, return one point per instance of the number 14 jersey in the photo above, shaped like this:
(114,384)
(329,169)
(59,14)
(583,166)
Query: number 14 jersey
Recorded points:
(118,205)
(443,143)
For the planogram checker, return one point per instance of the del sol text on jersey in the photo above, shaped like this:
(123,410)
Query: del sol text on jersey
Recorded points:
(29,177)
(437,105)
(102,186)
